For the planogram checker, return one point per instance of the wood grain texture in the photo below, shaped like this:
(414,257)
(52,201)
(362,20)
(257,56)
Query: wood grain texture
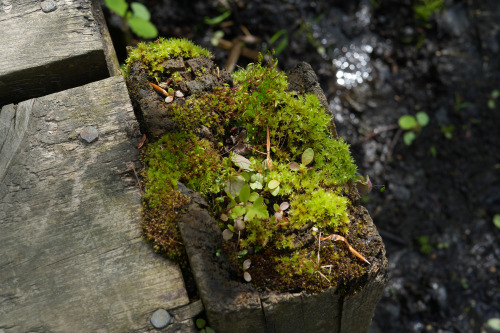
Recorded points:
(73,259)
(43,53)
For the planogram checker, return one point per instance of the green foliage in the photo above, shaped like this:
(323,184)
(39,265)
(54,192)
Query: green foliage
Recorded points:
(259,204)
(201,324)
(425,245)
(218,19)
(138,18)
(412,125)
(496,220)
(175,157)
(447,131)
(493,97)
(282,37)
(154,53)
(424,9)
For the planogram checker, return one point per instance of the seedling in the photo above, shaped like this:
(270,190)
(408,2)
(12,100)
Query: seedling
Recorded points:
(201,324)
(460,104)
(493,97)
(448,131)
(413,125)
(496,220)
(137,19)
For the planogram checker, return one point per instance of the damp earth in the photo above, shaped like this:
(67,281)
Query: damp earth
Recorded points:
(378,61)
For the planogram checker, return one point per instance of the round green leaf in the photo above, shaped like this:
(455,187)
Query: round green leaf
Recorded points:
(253,196)
(407,122)
(209,330)
(244,193)
(273,184)
(118,6)
(422,118)
(496,220)
(140,10)
(408,138)
(307,156)
(276,191)
(142,28)
(200,323)
(276,207)
(494,323)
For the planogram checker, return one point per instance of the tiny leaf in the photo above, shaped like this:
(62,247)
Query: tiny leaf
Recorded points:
(284,205)
(273,184)
(247,277)
(496,220)
(227,234)
(241,162)
(239,225)
(237,211)
(275,191)
(276,207)
(118,6)
(307,156)
(244,193)
(246,264)
(200,323)
(422,118)
(223,217)
(140,10)
(294,166)
(142,28)
(407,122)
(253,196)
(408,138)
(494,323)
(242,253)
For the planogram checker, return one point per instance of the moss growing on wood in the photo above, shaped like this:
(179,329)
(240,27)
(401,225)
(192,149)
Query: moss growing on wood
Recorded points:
(273,207)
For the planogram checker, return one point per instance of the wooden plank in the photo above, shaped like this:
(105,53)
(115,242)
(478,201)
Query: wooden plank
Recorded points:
(73,259)
(45,52)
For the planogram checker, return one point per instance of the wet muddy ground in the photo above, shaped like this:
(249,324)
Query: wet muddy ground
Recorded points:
(376,62)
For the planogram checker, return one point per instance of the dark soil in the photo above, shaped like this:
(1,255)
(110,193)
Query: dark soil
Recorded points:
(376,65)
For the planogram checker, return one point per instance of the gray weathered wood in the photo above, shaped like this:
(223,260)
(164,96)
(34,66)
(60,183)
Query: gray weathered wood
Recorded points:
(73,259)
(42,53)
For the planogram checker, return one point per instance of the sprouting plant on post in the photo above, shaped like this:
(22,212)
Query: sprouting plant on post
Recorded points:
(412,125)
(138,18)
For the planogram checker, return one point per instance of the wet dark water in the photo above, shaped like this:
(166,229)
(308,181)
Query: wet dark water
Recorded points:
(377,64)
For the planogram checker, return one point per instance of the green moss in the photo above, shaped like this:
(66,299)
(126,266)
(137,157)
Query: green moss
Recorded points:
(176,157)
(245,190)
(154,53)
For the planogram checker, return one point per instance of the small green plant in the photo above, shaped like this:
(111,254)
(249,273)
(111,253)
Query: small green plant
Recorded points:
(138,18)
(447,131)
(425,245)
(493,97)
(496,220)
(412,125)
(282,37)
(424,9)
(201,324)
(218,19)
(460,104)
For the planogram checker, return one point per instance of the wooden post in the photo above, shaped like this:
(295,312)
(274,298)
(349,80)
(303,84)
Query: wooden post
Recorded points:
(73,259)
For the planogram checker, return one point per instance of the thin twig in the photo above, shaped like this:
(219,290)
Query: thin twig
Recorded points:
(375,133)
(136,176)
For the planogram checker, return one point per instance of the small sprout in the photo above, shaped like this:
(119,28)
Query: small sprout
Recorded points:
(179,94)
(294,166)
(242,253)
(276,207)
(239,225)
(218,252)
(223,217)
(169,99)
(307,156)
(247,277)
(171,92)
(200,323)
(227,234)
(496,220)
(246,264)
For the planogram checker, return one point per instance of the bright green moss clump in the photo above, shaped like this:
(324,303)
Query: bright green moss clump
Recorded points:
(154,53)
(279,204)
